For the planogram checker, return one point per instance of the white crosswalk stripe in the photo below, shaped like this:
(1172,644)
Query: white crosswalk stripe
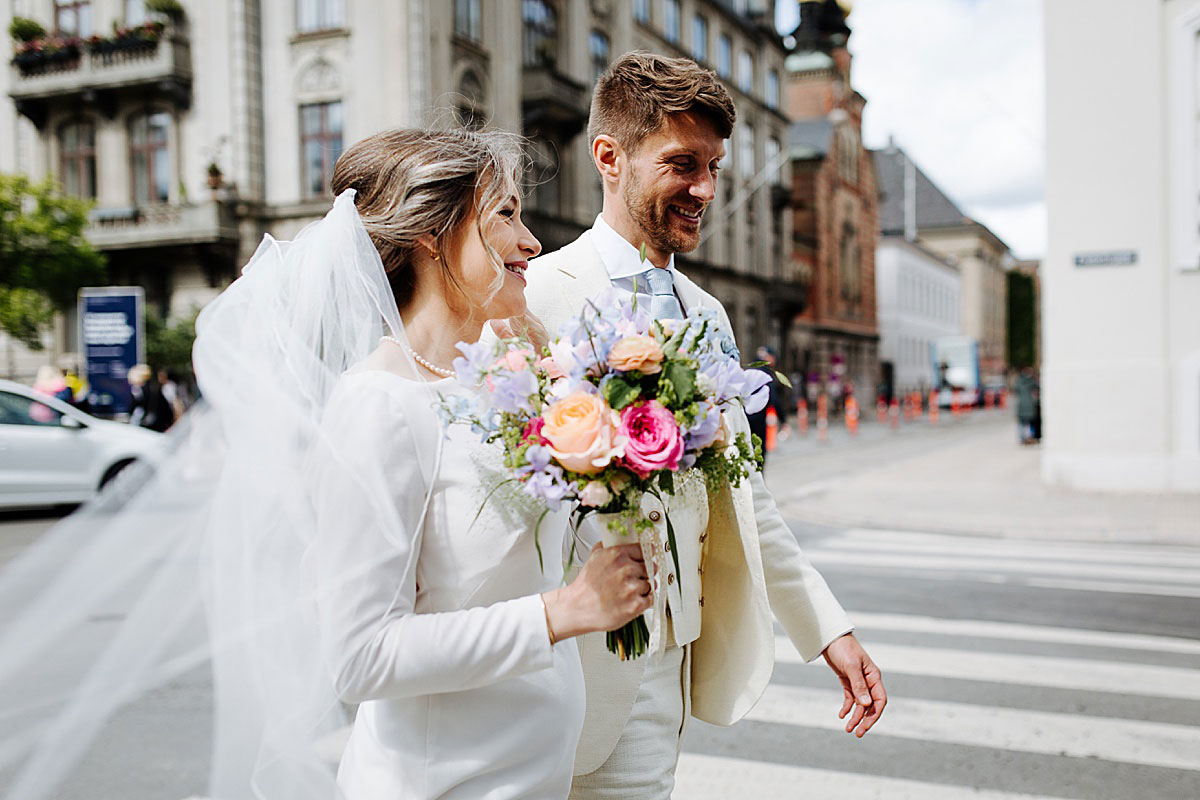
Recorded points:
(991,661)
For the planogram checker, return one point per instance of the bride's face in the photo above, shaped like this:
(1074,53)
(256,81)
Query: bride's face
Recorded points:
(515,245)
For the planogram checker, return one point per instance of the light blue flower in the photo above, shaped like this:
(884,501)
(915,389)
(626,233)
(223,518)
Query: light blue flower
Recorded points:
(548,486)
(539,457)
(475,360)
(513,391)
(705,429)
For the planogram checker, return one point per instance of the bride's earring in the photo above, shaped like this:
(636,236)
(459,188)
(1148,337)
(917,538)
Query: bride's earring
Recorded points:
(434,255)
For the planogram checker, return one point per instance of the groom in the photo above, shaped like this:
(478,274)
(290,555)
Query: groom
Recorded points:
(657,130)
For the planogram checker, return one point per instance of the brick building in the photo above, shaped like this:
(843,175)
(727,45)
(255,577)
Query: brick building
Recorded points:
(833,337)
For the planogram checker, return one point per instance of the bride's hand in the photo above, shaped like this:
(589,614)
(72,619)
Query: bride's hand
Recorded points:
(610,590)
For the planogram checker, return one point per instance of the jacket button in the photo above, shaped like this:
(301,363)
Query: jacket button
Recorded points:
(655,516)
(670,578)
(667,546)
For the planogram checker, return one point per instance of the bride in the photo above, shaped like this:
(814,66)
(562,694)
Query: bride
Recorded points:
(319,538)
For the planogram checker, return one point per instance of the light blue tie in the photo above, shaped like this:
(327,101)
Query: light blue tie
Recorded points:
(663,302)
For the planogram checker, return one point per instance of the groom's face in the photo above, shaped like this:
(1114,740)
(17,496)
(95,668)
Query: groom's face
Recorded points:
(672,177)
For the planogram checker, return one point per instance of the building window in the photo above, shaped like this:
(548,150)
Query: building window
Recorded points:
(541,33)
(318,15)
(641,10)
(77,158)
(724,56)
(847,156)
(601,51)
(745,78)
(700,38)
(468,19)
(671,20)
(772,160)
(135,12)
(472,101)
(773,89)
(320,145)
(73,17)
(151,165)
(745,156)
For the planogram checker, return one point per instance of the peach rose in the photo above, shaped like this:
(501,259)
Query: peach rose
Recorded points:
(582,432)
(515,360)
(640,353)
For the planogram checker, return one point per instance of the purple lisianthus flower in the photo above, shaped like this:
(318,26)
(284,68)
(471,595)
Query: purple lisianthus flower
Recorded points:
(475,360)
(512,391)
(756,393)
(704,431)
(548,486)
(539,457)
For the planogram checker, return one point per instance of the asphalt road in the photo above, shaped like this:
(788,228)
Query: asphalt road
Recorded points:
(1008,681)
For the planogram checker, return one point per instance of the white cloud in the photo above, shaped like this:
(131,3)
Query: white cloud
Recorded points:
(959,84)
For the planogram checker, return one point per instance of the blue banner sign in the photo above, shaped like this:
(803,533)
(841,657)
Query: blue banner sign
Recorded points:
(113,340)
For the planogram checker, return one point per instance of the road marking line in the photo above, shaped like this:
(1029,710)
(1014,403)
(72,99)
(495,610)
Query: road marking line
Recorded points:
(1063,673)
(1022,565)
(1148,555)
(988,629)
(1152,744)
(703,777)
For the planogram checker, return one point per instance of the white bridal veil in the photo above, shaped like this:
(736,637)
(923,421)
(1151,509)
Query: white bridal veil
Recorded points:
(198,559)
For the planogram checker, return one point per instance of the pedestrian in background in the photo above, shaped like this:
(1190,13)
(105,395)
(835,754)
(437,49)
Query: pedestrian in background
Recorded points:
(149,408)
(1027,405)
(172,391)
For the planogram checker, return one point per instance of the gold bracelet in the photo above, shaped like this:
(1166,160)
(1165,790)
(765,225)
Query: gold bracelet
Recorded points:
(549,627)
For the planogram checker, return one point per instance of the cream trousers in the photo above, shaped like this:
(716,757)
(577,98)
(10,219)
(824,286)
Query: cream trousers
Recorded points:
(642,765)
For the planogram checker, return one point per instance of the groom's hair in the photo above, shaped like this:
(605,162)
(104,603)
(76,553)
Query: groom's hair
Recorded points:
(635,95)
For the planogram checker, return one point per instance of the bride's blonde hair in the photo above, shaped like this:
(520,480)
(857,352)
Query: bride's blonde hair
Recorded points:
(411,183)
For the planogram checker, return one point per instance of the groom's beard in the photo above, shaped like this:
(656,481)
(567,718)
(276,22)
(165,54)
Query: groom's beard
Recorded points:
(655,220)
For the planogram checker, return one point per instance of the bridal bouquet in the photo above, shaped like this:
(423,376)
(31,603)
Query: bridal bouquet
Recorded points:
(614,408)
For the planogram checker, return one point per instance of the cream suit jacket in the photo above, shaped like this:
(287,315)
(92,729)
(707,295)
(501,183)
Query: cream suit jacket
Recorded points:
(752,564)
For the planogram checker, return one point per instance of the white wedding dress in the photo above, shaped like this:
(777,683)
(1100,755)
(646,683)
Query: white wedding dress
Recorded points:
(437,628)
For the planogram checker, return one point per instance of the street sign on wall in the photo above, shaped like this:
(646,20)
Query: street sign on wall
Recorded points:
(1108,258)
(113,340)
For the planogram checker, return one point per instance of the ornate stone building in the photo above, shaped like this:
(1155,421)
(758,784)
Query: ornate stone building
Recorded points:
(834,335)
(196,139)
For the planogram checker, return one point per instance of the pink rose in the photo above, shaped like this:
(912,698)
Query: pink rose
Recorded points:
(653,439)
(595,494)
(640,353)
(551,368)
(533,430)
(515,360)
(582,432)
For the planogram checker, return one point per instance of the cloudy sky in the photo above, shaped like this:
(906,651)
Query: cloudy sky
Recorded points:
(958,83)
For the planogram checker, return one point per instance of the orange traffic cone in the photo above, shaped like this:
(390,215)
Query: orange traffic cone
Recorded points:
(802,417)
(822,418)
(1003,399)
(852,415)
(917,410)
(881,411)
(933,407)
(989,399)
(894,413)
(772,429)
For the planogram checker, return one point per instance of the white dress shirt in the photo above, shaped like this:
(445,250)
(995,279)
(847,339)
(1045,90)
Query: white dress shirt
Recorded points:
(624,263)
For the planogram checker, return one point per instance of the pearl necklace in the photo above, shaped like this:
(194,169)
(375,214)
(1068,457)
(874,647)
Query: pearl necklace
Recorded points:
(436,370)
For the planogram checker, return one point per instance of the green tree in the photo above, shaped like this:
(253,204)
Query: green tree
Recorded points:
(1022,320)
(44,257)
(169,346)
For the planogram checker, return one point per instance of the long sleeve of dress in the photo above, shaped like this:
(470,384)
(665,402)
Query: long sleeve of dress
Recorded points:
(369,508)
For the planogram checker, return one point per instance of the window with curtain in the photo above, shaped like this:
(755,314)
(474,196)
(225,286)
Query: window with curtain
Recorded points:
(700,38)
(772,157)
(468,19)
(641,10)
(671,20)
(541,33)
(724,56)
(472,101)
(149,157)
(73,17)
(745,77)
(601,51)
(77,158)
(745,156)
(318,15)
(773,89)
(320,145)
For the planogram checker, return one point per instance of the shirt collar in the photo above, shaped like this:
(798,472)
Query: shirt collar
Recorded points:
(620,258)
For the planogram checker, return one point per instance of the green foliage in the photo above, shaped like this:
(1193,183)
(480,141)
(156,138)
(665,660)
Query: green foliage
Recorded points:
(42,251)
(682,378)
(1021,340)
(169,346)
(24,29)
(23,314)
(172,9)
(619,392)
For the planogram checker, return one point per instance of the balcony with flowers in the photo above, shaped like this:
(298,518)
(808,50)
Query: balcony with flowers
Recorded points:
(51,70)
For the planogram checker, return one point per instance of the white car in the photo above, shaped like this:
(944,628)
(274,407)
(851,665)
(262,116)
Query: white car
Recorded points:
(52,453)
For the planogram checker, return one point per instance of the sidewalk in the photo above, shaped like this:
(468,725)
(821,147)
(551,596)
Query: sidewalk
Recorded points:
(974,480)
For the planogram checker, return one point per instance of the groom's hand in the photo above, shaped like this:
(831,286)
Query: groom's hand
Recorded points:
(861,682)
